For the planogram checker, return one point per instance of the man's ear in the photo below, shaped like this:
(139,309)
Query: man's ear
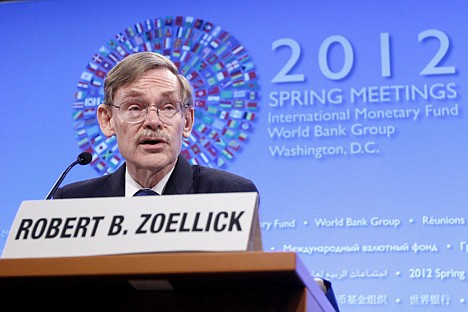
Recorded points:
(189,116)
(104,115)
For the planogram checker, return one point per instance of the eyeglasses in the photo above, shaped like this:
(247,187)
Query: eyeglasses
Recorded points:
(135,112)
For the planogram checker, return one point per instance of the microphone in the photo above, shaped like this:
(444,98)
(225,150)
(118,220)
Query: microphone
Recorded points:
(83,159)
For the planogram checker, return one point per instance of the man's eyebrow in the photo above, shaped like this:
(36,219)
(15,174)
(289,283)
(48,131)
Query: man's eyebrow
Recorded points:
(169,93)
(132,93)
(136,93)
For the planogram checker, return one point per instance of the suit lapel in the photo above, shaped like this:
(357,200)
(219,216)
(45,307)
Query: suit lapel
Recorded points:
(181,180)
(115,185)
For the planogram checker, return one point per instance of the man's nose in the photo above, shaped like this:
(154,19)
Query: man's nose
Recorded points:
(152,109)
(152,116)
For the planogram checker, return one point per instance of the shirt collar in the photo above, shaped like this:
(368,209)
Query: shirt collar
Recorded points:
(132,186)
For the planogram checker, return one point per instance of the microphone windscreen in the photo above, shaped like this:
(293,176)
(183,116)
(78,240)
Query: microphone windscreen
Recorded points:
(84,158)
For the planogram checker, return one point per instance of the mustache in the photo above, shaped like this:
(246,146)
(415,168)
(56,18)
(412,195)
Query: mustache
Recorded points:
(153,134)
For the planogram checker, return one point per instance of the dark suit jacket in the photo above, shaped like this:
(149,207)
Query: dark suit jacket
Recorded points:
(185,179)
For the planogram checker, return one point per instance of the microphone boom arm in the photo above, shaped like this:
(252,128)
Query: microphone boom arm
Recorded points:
(60,179)
(82,159)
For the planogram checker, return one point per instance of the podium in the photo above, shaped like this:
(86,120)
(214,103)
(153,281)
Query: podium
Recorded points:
(196,281)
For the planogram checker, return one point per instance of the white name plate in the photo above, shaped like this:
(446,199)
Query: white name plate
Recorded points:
(120,225)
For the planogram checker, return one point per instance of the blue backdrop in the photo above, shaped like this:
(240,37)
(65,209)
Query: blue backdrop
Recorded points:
(348,115)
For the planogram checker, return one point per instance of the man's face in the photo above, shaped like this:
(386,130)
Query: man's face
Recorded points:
(153,143)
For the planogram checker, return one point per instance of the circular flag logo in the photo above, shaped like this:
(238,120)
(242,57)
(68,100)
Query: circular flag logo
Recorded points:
(219,69)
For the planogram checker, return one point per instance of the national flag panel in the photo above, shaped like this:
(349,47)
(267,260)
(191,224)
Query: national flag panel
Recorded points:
(201,128)
(82,85)
(80,95)
(186,153)
(245,126)
(200,103)
(249,76)
(223,114)
(100,148)
(212,81)
(215,137)
(219,162)
(233,124)
(115,160)
(101,166)
(112,56)
(86,76)
(242,136)
(218,124)
(107,155)
(205,158)
(83,142)
(80,132)
(195,149)
(227,154)
(208,120)
(252,106)
(222,75)
(234,145)
(239,104)
(236,113)
(249,116)
(228,133)
(213,151)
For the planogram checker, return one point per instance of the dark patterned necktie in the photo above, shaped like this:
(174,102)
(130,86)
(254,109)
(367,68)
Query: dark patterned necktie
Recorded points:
(145,192)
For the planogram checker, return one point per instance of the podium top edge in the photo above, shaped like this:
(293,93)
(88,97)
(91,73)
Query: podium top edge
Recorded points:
(151,264)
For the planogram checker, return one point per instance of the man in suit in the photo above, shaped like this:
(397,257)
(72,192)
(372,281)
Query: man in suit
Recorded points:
(148,106)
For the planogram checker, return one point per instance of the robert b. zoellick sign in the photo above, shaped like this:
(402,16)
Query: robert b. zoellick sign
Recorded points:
(118,225)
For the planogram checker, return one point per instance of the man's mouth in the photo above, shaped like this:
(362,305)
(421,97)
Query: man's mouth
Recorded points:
(151,138)
(150,141)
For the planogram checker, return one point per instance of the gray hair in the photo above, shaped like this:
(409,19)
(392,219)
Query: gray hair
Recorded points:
(136,65)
